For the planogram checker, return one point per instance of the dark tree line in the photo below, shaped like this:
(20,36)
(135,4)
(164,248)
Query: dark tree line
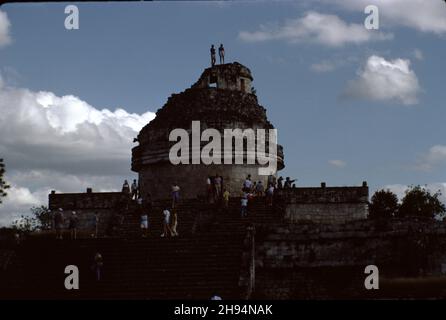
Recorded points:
(3,185)
(417,201)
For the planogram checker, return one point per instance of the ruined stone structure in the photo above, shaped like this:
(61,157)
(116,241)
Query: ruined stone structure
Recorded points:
(313,243)
(220,99)
(330,205)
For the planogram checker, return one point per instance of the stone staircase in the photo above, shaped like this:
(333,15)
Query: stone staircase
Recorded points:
(197,216)
(209,257)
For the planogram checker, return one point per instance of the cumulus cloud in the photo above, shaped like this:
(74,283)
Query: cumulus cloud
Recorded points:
(435,156)
(62,143)
(382,79)
(5,38)
(422,15)
(326,29)
(337,163)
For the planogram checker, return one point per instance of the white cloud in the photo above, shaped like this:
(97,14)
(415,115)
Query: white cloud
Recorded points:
(4,29)
(435,156)
(382,79)
(418,54)
(62,143)
(337,163)
(400,189)
(326,29)
(422,15)
(323,66)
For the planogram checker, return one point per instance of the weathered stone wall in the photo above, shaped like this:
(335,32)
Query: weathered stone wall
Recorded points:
(157,180)
(328,261)
(325,204)
(86,205)
(227,76)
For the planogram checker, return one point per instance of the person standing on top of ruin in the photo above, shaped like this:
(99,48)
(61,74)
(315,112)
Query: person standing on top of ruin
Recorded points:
(175,195)
(213,55)
(58,223)
(73,225)
(126,187)
(221,53)
(135,190)
(288,183)
(166,224)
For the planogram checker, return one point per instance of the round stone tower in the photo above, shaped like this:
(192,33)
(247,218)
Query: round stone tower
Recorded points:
(222,98)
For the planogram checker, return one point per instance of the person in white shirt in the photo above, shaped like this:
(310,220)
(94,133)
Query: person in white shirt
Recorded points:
(167,231)
(244,207)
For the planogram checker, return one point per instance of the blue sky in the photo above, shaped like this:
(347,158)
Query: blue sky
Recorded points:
(336,123)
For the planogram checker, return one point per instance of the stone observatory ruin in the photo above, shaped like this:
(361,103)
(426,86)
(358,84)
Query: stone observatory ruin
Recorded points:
(221,99)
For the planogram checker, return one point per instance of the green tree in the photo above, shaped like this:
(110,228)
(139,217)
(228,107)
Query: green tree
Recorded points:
(3,185)
(40,219)
(42,216)
(384,204)
(419,201)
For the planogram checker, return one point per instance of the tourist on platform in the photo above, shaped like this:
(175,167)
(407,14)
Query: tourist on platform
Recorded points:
(59,223)
(271,180)
(166,223)
(175,195)
(126,187)
(213,55)
(288,183)
(98,264)
(174,224)
(260,189)
(244,207)
(221,53)
(226,196)
(270,195)
(73,225)
(134,190)
(247,184)
(279,183)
